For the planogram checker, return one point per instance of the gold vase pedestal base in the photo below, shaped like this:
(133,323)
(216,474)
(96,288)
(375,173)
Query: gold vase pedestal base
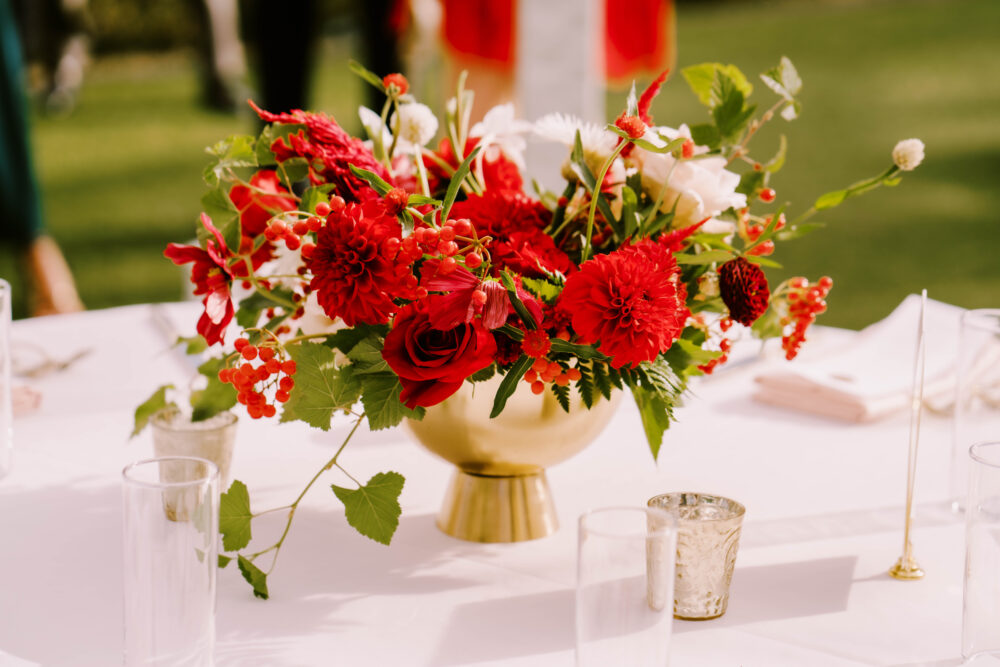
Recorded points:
(485,508)
(906,569)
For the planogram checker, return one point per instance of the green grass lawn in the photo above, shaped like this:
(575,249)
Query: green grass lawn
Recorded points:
(121,176)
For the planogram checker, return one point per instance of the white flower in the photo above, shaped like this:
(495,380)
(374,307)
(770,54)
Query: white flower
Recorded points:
(415,123)
(562,128)
(908,154)
(701,188)
(500,130)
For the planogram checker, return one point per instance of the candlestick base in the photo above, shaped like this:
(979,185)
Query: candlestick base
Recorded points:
(906,569)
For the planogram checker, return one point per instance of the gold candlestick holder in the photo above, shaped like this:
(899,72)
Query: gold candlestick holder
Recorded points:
(907,568)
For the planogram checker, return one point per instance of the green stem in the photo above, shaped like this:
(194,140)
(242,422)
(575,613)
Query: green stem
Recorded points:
(597,193)
(418,158)
(276,547)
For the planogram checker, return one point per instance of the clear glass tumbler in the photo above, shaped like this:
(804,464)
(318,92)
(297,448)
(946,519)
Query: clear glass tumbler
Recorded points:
(171,510)
(625,581)
(981,601)
(6,397)
(977,391)
(174,434)
(708,539)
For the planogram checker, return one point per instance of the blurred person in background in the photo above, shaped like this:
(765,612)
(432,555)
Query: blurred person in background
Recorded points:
(50,280)
(56,41)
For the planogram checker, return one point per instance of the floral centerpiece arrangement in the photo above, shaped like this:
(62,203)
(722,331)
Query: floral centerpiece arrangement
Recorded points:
(372,278)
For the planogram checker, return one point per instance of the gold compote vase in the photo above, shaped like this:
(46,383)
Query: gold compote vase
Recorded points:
(499,492)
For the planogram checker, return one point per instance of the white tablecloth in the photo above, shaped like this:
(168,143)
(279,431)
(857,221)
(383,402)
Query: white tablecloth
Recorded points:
(824,523)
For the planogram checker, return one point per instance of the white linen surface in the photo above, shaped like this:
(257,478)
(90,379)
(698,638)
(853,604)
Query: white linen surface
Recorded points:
(824,523)
(871,376)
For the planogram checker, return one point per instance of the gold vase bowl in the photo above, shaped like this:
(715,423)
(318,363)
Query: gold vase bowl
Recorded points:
(499,492)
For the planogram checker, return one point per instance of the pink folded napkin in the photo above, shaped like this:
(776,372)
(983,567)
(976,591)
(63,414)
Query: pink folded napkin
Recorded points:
(871,376)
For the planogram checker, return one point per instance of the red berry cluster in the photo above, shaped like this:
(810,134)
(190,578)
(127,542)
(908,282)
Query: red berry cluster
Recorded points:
(443,242)
(755,229)
(544,371)
(293,233)
(805,302)
(272,376)
(724,345)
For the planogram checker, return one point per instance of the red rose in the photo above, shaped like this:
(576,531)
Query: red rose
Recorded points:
(432,364)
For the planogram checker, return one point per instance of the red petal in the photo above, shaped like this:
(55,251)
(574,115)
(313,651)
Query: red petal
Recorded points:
(646,100)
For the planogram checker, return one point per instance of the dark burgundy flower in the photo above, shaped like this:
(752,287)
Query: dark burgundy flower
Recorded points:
(744,290)
(211,277)
(630,301)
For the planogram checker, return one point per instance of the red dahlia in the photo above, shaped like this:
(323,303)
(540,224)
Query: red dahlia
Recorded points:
(515,222)
(357,269)
(328,149)
(631,301)
(744,290)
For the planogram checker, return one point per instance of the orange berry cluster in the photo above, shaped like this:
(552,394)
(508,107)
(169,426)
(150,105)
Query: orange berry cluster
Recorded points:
(724,344)
(292,233)
(805,301)
(273,375)
(544,371)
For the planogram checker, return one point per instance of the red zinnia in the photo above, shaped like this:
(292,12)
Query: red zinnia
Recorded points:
(631,301)
(536,343)
(744,290)
(357,268)
(328,149)
(211,277)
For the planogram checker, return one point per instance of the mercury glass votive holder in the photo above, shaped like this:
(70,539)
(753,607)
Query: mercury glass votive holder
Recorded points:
(708,537)
(175,434)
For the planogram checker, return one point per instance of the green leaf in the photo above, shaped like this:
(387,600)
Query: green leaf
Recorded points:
(668,147)
(543,289)
(562,395)
(484,375)
(580,168)
(235,151)
(250,308)
(366,74)
(768,325)
(456,183)
(655,416)
(630,221)
(830,200)
(509,383)
(706,134)
(320,387)
(380,398)
(702,80)
(778,161)
(224,561)
(216,204)
(150,407)
(216,397)
(373,509)
(192,344)
(585,385)
(731,113)
(798,230)
(783,79)
(422,200)
(707,257)
(750,182)
(293,170)
(346,339)
(601,379)
(560,346)
(522,311)
(763,261)
(367,356)
(254,576)
(315,195)
(374,180)
(235,516)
